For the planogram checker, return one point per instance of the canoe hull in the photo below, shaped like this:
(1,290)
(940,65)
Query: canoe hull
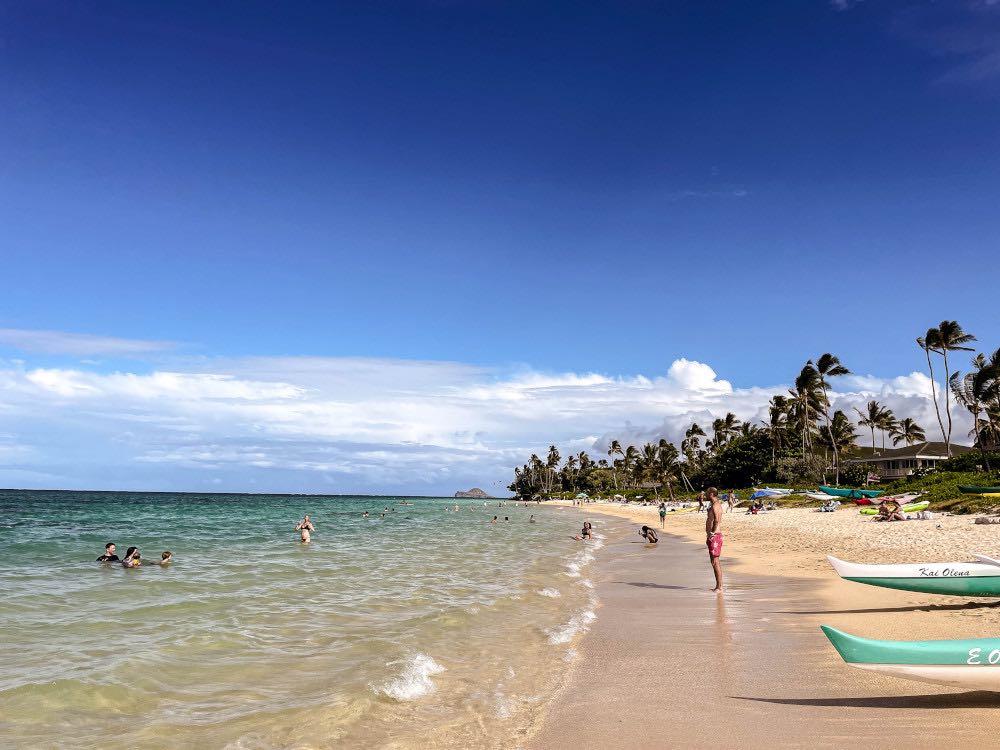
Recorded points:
(851,493)
(972,664)
(977,579)
(966,489)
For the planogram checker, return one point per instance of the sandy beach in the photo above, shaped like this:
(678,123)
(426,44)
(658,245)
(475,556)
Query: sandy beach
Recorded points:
(667,663)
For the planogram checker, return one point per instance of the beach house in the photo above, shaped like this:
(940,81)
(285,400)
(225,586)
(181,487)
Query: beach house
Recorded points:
(894,463)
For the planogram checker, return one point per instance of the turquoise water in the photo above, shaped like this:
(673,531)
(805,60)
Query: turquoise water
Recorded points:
(428,628)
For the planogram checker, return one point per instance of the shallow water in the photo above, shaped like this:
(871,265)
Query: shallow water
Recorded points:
(427,628)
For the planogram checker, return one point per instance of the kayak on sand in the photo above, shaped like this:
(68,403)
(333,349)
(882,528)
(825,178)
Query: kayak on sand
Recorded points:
(908,508)
(973,664)
(980,578)
(966,489)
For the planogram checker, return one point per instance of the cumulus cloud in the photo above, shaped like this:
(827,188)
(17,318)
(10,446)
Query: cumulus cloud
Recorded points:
(77,344)
(308,424)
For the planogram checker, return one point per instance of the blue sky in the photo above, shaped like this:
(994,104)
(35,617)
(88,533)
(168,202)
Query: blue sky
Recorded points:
(513,188)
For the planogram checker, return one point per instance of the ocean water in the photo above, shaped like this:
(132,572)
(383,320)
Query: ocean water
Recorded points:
(428,628)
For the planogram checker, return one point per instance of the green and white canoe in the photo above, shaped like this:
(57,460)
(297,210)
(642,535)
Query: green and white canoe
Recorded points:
(872,510)
(981,578)
(972,664)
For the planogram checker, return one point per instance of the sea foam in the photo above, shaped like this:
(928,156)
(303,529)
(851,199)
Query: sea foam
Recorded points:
(551,593)
(577,624)
(415,679)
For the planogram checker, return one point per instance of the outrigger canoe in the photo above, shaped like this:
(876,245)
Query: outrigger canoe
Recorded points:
(980,578)
(847,492)
(966,489)
(973,664)
(871,510)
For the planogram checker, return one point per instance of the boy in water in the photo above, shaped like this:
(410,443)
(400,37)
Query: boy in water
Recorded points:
(713,533)
(166,558)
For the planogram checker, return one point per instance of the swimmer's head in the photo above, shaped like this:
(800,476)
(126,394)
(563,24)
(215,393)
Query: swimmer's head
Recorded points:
(166,555)
(131,551)
(110,548)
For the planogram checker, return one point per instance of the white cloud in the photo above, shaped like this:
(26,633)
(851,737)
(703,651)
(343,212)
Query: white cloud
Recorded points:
(77,344)
(319,424)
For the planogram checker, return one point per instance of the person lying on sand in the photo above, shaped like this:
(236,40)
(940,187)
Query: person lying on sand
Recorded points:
(649,535)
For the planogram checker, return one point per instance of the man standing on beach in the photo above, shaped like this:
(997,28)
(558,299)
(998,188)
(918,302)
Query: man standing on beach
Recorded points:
(713,532)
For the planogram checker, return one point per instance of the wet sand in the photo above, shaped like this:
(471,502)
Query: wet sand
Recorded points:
(669,664)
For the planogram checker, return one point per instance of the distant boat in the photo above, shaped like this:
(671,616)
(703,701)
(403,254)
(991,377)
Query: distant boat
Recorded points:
(972,664)
(846,492)
(967,489)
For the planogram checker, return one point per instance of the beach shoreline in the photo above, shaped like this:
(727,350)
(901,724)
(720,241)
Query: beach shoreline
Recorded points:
(663,646)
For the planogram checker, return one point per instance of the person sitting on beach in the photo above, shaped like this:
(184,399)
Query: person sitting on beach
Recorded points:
(889,510)
(109,555)
(304,527)
(587,532)
(132,558)
(166,558)
(648,534)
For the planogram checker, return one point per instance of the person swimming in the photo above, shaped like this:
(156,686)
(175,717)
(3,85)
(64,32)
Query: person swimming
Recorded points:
(649,535)
(304,527)
(166,558)
(109,555)
(132,558)
(532,518)
(365,514)
(494,519)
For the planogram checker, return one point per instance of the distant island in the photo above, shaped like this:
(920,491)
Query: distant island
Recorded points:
(474,492)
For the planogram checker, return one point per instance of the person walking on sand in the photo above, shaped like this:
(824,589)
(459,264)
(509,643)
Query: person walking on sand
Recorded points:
(701,501)
(713,533)
(663,515)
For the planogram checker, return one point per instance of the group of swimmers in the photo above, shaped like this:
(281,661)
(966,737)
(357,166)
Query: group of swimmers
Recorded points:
(132,559)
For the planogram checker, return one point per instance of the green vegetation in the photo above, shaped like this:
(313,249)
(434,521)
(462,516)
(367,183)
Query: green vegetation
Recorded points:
(802,444)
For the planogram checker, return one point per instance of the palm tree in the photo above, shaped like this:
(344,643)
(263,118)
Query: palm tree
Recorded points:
(777,426)
(551,462)
(909,432)
(887,423)
(691,445)
(613,450)
(871,418)
(629,460)
(807,401)
(667,456)
(725,428)
(840,431)
(951,338)
(931,342)
(828,366)
(973,391)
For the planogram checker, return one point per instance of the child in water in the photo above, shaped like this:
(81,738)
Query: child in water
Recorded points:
(166,558)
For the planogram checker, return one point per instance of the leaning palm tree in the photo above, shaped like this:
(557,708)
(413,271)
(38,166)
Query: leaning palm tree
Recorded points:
(951,338)
(909,432)
(829,366)
(931,342)
(807,402)
(871,418)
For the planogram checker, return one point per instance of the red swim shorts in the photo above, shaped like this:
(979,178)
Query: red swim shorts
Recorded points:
(715,545)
